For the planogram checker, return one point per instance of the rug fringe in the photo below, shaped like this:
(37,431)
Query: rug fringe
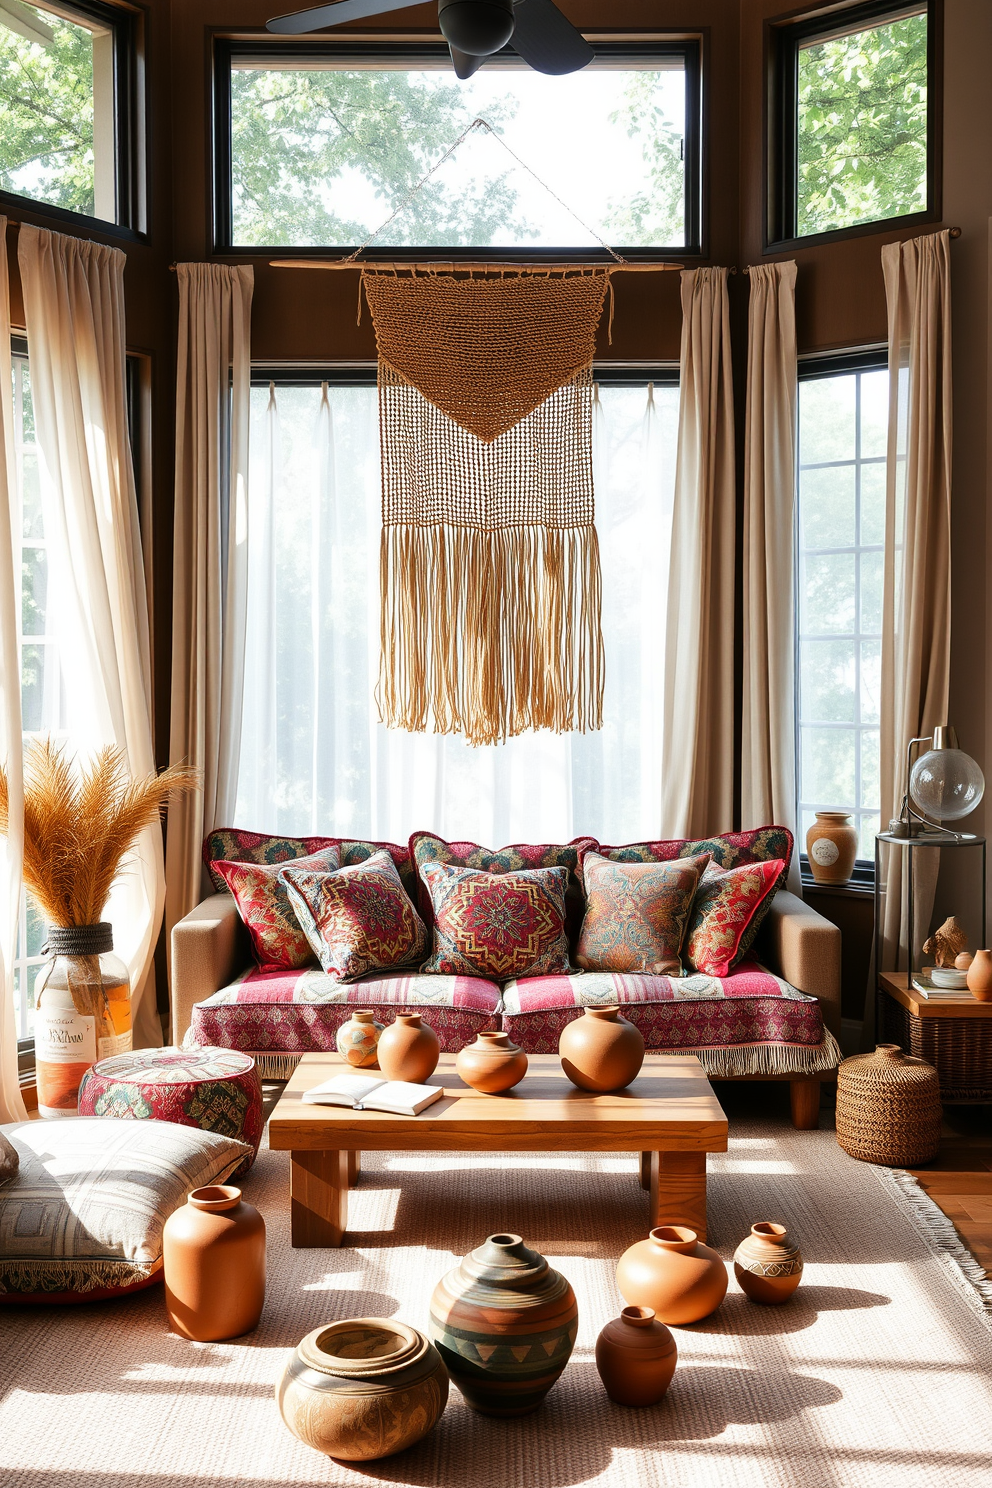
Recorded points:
(765,1059)
(938,1231)
(44,1275)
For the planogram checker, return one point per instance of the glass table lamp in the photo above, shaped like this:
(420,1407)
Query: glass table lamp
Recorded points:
(945,784)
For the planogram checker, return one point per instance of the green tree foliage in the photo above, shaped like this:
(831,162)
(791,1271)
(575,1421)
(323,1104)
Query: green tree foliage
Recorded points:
(655,215)
(862,126)
(46,115)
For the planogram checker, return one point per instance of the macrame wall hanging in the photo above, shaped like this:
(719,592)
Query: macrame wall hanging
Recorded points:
(489,560)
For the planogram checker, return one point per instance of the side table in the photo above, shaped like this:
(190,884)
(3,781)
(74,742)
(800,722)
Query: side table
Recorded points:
(954,1034)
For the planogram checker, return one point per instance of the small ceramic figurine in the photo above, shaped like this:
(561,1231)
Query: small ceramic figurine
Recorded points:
(946,944)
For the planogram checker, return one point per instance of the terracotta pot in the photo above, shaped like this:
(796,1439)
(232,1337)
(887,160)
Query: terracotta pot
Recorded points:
(408,1049)
(601,1050)
(768,1265)
(980,976)
(963,960)
(363,1389)
(358,1039)
(492,1064)
(831,846)
(673,1273)
(213,1258)
(504,1323)
(636,1357)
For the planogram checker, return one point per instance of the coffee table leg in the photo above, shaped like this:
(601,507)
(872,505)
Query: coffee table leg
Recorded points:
(354,1167)
(318,1191)
(678,1190)
(646,1170)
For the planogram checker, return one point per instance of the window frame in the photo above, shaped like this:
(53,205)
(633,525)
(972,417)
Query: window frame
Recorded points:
(227,51)
(783,38)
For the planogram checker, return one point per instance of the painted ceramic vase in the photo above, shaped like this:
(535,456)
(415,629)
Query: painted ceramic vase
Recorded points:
(768,1265)
(675,1274)
(636,1357)
(831,846)
(492,1064)
(980,976)
(213,1260)
(362,1389)
(601,1050)
(408,1049)
(504,1323)
(358,1039)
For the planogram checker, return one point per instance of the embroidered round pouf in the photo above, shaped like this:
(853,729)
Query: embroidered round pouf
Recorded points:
(218,1090)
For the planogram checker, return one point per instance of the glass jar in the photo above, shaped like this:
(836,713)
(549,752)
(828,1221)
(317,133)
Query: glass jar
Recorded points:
(82,1012)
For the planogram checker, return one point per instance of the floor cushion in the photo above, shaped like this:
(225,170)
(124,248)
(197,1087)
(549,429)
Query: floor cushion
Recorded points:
(217,1090)
(82,1220)
(238,846)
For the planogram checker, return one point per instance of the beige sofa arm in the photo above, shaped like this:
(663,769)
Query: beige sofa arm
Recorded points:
(804,948)
(209,948)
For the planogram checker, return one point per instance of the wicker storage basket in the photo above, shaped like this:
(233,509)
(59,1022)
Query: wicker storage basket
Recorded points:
(960,1049)
(888,1108)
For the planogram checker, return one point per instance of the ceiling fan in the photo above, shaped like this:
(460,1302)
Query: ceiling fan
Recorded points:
(473,29)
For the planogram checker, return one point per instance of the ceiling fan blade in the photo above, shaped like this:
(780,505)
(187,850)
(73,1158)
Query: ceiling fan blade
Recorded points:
(303,21)
(547,40)
(465,66)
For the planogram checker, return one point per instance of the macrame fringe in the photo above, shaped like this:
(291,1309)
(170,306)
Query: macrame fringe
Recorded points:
(727,1063)
(72,1276)
(932,1224)
(490,633)
(276,1066)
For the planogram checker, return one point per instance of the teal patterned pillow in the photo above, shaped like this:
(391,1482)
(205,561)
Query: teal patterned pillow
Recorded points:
(637,914)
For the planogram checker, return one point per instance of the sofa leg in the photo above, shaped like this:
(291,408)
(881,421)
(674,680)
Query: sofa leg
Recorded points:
(804,1098)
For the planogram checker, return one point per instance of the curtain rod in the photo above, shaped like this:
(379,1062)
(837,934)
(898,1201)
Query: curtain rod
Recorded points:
(490,266)
(954,232)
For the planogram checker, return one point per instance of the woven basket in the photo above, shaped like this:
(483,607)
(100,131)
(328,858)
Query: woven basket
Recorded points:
(888,1108)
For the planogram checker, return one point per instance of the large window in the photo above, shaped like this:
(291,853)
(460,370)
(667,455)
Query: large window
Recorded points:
(841,531)
(318,148)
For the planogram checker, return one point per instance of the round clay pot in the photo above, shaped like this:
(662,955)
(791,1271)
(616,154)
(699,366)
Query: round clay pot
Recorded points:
(636,1357)
(504,1323)
(963,960)
(213,1260)
(601,1050)
(363,1389)
(768,1265)
(980,976)
(408,1049)
(492,1064)
(358,1039)
(831,846)
(673,1273)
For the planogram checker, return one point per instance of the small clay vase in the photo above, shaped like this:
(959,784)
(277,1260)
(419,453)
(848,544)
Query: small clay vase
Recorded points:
(673,1273)
(636,1357)
(768,1265)
(408,1049)
(492,1064)
(601,1050)
(963,960)
(213,1260)
(358,1039)
(831,846)
(980,976)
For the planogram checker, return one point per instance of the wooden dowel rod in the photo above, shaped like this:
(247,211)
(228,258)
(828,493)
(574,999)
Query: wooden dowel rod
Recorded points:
(337,263)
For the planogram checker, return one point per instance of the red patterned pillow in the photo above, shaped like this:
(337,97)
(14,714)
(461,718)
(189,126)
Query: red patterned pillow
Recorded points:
(359,919)
(498,925)
(277,939)
(723,912)
(637,913)
(235,845)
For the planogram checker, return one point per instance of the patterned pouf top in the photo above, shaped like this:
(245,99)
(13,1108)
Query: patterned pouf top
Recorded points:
(174,1066)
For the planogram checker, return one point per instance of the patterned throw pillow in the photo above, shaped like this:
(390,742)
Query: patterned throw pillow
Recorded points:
(497,925)
(637,913)
(277,938)
(725,905)
(359,919)
(234,845)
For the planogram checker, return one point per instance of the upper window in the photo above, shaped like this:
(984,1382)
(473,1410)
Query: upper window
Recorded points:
(64,83)
(855,120)
(317,147)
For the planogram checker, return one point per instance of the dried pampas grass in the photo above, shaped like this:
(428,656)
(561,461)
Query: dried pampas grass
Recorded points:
(79,823)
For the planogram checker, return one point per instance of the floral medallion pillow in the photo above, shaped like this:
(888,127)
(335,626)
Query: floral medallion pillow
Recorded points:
(277,938)
(498,925)
(359,919)
(637,913)
(727,905)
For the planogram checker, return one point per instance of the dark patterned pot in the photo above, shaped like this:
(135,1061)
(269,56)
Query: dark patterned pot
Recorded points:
(504,1323)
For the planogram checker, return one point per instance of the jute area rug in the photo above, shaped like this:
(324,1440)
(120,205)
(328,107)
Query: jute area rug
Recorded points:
(877,1373)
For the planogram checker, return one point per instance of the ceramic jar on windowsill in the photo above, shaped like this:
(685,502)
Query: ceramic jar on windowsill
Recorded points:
(832,846)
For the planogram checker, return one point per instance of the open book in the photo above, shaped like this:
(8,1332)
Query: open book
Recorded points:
(366,1093)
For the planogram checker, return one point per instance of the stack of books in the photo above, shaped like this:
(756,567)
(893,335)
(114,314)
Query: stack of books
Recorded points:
(923,984)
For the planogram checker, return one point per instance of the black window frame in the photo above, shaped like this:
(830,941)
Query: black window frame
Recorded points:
(127,27)
(228,50)
(784,37)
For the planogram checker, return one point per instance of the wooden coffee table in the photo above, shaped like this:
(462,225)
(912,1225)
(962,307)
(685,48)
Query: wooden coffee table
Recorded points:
(669,1114)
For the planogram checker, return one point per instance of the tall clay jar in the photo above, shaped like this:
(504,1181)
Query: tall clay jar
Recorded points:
(492,1064)
(213,1257)
(980,976)
(768,1264)
(358,1039)
(601,1051)
(675,1274)
(636,1357)
(408,1049)
(831,846)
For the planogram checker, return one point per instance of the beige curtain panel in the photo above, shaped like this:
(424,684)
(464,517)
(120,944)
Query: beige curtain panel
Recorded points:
(698,755)
(768,739)
(74,312)
(213,388)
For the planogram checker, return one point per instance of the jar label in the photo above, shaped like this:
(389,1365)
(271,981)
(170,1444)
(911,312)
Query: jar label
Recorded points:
(64,1037)
(824,852)
(118,1043)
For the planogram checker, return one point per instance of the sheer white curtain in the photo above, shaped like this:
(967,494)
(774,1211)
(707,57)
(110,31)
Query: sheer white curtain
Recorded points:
(314,758)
